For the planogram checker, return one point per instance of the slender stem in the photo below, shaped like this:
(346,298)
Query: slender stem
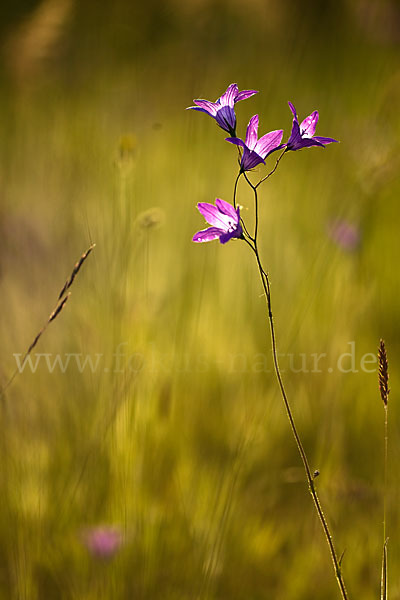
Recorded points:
(309,476)
(246,230)
(234,203)
(273,170)
(385,472)
(254,188)
(384,574)
(235,189)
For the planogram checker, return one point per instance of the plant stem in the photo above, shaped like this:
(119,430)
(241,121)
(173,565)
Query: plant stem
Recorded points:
(309,476)
(234,203)
(254,187)
(273,170)
(385,472)
(384,574)
(235,189)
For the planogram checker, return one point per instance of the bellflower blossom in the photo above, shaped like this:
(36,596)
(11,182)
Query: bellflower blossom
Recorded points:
(255,150)
(223,109)
(225,221)
(302,135)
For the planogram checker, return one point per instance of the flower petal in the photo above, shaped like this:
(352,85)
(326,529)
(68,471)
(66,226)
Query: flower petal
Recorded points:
(307,127)
(324,140)
(250,159)
(306,143)
(252,132)
(207,106)
(207,235)
(227,209)
(207,112)
(292,108)
(236,141)
(228,98)
(213,216)
(268,142)
(226,119)
(244,94)
(295,137)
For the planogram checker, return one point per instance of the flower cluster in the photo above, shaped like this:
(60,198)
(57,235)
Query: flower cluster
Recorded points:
(226,224)
(224,218)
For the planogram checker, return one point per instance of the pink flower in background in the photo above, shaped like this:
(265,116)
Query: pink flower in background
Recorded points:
(103,541)
(345,234)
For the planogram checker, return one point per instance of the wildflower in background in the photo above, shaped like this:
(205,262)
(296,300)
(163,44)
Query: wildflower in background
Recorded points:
(345,234)
(302,135)
(255,150)
(152,218)
(103,542)
(223,109)
(225,221)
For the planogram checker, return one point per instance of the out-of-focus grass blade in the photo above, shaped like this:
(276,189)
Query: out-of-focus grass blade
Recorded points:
(61,301)
(384,576)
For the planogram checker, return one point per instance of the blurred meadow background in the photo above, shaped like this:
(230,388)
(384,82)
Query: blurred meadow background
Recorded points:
(163,466)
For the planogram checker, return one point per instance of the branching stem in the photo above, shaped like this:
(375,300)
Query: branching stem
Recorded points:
(234,204)
(309,475)
(235,189)
(273,170)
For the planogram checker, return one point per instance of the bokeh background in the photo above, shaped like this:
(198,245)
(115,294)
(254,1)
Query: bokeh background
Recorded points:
(169,471)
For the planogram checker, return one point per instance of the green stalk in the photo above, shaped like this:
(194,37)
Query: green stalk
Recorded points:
(252,242)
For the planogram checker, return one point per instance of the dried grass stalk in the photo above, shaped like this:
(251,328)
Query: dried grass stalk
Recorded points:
(383,373)
(61,302)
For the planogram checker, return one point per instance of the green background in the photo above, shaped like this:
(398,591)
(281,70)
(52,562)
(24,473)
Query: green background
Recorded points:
(182,443)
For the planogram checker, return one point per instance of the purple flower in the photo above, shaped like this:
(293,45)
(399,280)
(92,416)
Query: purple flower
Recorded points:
(223,109)
(345,234)
(102,542)
(225,221)
(302,136)
(256,150)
